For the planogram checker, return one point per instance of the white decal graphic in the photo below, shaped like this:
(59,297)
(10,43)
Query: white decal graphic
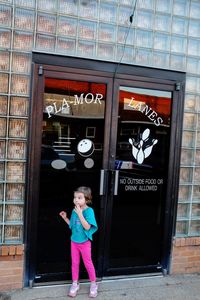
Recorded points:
(64,107)
(85,147)
(89,163)
(141,151)
(58,164)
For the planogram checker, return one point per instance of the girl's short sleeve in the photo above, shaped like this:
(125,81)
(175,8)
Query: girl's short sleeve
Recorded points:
(71,219)
(90,218)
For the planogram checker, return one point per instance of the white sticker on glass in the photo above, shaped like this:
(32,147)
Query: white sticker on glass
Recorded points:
(141,150)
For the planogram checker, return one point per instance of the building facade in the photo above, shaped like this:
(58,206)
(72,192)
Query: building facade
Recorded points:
(104,93)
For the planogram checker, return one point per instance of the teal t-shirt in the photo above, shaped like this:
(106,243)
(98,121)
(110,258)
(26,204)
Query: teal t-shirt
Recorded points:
(79,234)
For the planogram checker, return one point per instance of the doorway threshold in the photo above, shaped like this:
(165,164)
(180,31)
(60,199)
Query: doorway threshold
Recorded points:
(102,279)
(135,276)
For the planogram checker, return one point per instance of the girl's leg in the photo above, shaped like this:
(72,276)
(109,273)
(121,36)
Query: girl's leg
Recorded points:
(75,256)
(87,259)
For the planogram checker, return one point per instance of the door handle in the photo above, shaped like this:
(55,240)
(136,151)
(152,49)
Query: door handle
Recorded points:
(116,182)
(101,189)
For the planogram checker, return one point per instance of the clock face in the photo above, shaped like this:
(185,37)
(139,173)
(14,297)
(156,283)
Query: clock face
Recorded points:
(85,147)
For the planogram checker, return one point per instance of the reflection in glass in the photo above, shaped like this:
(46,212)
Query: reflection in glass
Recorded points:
(151,109)
(184,193)
(4,61)
(3,105)
(73,112)
(181,228)
(142,150)
(71,156)
(15,192)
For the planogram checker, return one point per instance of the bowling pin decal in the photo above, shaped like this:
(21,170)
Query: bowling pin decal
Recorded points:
(142,150)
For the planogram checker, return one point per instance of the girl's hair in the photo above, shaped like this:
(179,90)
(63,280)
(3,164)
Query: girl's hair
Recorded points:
(86,192)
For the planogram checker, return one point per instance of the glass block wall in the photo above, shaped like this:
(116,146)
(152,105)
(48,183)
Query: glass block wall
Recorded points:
(164,34)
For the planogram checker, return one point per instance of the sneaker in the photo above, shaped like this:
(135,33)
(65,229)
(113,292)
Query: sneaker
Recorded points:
(73,290)
(93,290)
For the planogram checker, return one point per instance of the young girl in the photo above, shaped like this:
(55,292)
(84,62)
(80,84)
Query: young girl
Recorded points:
(82,224)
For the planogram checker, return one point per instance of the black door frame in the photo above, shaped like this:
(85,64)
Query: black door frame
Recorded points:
(175,81)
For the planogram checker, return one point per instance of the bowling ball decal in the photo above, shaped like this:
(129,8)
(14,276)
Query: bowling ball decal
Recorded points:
(89,163)
(85,147)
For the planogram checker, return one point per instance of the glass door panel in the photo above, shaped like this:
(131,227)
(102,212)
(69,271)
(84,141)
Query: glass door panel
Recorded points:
(141,168)
(71,156)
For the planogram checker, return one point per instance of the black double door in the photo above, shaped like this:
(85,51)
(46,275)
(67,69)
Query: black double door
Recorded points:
(113,136)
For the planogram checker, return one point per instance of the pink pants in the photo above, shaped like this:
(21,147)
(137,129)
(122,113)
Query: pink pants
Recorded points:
(83,249)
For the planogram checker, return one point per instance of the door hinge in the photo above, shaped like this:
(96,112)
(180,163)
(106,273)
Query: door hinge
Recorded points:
(178,86)
(40,70)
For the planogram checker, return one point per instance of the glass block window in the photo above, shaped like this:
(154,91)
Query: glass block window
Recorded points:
(193,65)
(124,15)
(177,62)
(67,26)
(107,32)
(19,106)
(4,83)
(125,35)
(66,46)
(106,51)
(181,7)
(3,105)
(3,127)
(16,150)
(160,59)
(15,192)
(89,10)
(179,25)
(24,19)
(144,38)
(46,23)
(47,5)
(143,56)
(108,12)
(195,9)
(69,7)
(191,102)
(164,6)
(87,30)
(45,42)
(23,41)
(21,63)
(162,22)
(20,84)
(2,149)
(147,4)
(5,15)
(194,28)
(126,54)
(145,19)
(163,34)
(178,44)
(5,38)
(18,128)
(25,3)
(193,47)
(86,48)
(4,60)
(161,41)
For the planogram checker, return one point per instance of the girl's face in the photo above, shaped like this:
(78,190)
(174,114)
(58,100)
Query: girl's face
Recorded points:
(79,199)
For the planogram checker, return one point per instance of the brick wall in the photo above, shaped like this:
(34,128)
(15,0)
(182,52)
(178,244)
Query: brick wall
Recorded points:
(11,267)
(186,255)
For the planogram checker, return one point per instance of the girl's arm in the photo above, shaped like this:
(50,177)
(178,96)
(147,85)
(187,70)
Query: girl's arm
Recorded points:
(84,223)
(63,214)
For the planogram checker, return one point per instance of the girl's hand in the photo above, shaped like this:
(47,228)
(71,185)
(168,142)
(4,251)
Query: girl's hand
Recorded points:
(78,210)
(63,214)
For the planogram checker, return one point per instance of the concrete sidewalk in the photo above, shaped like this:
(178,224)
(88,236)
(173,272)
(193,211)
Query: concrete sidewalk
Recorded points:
(179,287)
